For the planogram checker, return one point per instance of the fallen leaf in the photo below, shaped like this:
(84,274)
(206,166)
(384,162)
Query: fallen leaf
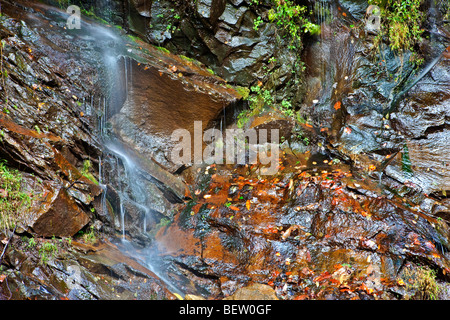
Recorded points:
(435,255)
(234,208)
(207,196)
(247,204)
(337,105)
(2,277)
(348,130)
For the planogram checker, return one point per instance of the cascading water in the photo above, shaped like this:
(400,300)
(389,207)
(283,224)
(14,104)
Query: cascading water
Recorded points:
(118,172)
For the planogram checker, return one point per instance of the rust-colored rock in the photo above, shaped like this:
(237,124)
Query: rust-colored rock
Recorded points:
(167,93)
(255,291)
(63,218)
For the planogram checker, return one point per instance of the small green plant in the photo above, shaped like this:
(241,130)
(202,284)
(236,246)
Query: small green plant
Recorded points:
(85,171)
(423,281)
(133,38)
(286,108)
(90,236)
(406,161)
(257,22)
(48,251)
(69,240)
(13,201)
(243,91)
(31,243)
(163,49)
(401,23)
(291,19)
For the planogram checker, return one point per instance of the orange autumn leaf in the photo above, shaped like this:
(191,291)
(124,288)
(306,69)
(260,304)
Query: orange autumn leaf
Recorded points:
(308,125)
(234,208)
(247,204)
(344,14)
(337,105)
(81,113)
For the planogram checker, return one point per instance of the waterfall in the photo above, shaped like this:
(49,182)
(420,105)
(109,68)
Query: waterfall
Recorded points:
(322,14)
(117,168)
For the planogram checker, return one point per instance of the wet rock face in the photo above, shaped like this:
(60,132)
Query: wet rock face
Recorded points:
(166,93)
(45,119)
(158,105)
(291,231)
(350,94)
(218,33)
(423,117)
(75,271)
(63,219)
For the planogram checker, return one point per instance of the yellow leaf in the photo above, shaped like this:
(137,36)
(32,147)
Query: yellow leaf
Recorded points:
(178,296)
